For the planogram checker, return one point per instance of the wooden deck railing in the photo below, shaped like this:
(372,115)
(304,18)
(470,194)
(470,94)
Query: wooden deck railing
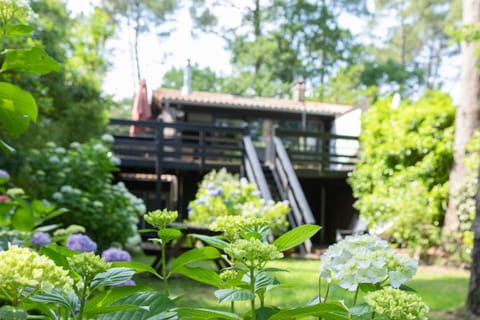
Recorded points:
(178,145)
(319,151)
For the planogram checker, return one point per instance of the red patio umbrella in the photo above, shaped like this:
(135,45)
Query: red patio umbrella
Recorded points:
(141,108)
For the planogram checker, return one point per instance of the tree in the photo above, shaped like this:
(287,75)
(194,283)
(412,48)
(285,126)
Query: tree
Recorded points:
(281,41)
(202,79)
(141,16)
(416,38)
(468,112)
(468,119)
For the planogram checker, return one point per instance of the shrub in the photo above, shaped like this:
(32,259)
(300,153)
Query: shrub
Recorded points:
(402,177)
(224,194)
(80,179)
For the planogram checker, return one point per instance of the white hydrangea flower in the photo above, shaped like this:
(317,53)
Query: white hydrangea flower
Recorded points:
(365,259)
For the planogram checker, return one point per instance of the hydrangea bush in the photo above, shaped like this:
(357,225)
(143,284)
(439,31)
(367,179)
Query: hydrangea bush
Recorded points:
(79,179)
(224,194)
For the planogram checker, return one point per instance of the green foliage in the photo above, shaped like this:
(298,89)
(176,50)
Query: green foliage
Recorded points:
(202,79)
(17,107)
(71,106)
(402,177)
(223,194)
(460,250)
(80,179)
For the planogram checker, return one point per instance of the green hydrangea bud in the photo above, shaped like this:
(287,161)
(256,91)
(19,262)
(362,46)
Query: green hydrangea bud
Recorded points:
(228,275)
(15,11)
(253,253)
(87,264)
(22,267)
(396,304)
(161,218)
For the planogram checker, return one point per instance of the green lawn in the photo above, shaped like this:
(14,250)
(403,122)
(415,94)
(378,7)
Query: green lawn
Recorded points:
(442,289)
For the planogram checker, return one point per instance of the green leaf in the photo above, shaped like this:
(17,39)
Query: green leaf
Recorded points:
(111,277)
(234,295)
(265,313)
(213,241)
(331,310)
(6,148)
(23,219)
(169,234)
(202,275)
(107,298)
(16,30)
(68,302)
(33,60)
(12,313)
(17,109)
(158,304)
(361,309)
(367,287)
(197,254)
(199,313)
(137,266)
(263,280)
(296,236)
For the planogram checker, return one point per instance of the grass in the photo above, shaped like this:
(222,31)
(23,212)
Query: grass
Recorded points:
(441,288)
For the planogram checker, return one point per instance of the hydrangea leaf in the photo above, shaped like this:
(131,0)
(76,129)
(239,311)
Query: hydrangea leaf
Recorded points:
(234,295)
(33,60)
(296,236)
(13,313)
(158,305)
(202,275)
(213,241)
(169,234)
(198,254)
(111,277)
(200,313)
(361,309)
(330,310)
(69,302)
(17,109)
(17,30)
(137,266)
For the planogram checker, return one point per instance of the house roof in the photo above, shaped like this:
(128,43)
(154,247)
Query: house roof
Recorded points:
(257,103)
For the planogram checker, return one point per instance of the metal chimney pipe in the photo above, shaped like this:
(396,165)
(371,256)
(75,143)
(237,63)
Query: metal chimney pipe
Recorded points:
(187,79)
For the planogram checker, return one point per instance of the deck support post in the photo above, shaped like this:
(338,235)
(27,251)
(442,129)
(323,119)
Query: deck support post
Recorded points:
(158,163)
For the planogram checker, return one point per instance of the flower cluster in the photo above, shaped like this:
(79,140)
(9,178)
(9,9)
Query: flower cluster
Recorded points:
(81,243)
(161,218)
(114,254)
(232,226)
(22,267)
(365,259)
(252,252)
(396,304)
(87,264)
(40,239)
(224,194)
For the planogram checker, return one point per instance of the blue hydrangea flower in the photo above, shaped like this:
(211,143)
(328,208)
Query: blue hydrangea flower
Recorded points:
(81,243)
(41,239)
(114,254)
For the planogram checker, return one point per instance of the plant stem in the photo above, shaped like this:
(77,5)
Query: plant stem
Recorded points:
(83,297)
(252,302)
(356,296)
(232,307)
(326,293)
(164,267)
(320,289)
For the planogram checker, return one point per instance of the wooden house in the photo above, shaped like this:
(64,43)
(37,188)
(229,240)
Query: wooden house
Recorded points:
(291,149)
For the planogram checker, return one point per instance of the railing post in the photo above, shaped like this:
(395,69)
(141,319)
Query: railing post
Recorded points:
(270,148)
(158,164)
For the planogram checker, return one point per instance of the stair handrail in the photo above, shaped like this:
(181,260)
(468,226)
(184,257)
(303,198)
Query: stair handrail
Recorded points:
(253,169)
(293,185)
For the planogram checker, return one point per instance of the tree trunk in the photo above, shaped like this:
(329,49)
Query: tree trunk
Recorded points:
(473,298)
(468,112)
